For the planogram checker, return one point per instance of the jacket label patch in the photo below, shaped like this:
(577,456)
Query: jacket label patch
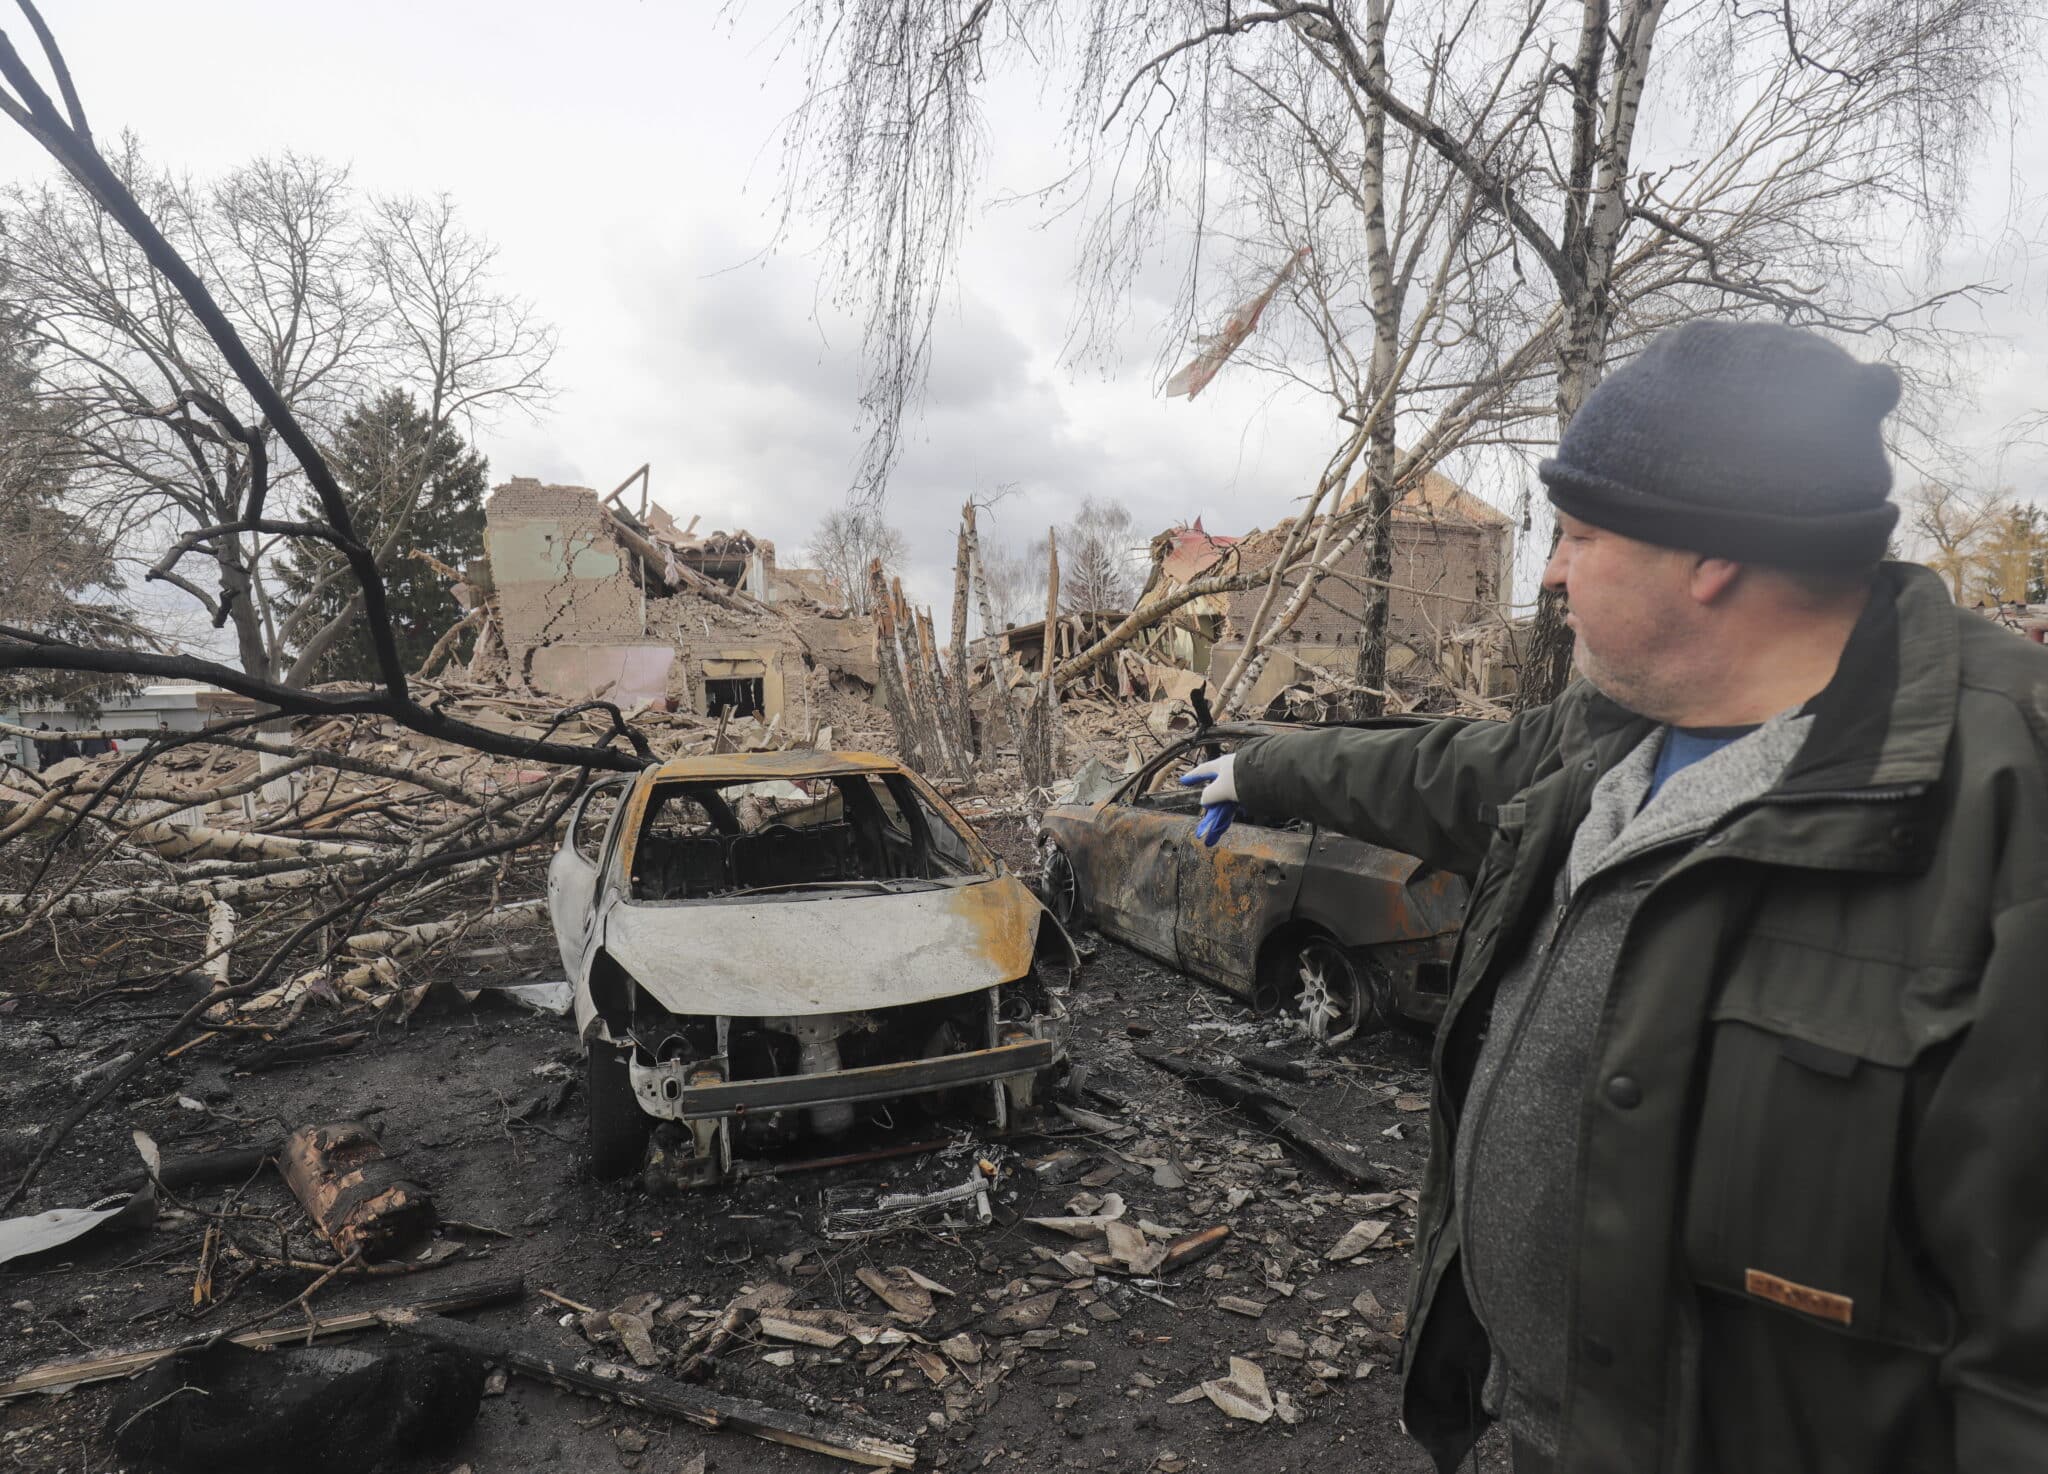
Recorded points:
(1822,1304)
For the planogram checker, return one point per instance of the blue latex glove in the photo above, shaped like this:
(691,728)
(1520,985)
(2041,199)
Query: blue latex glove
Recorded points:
(1215,819)
(1218,782)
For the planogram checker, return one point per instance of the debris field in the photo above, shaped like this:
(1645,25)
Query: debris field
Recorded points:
(1163,1281)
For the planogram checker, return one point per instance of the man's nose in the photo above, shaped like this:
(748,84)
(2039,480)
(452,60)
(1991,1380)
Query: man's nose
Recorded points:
(1554,570)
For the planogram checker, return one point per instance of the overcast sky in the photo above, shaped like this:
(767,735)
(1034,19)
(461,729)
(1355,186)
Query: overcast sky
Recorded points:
(623,158)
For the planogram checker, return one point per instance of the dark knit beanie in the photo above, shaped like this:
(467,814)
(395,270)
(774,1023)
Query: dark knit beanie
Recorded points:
(1741,440)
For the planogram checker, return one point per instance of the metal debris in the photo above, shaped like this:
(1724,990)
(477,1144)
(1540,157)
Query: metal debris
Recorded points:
(853,1213)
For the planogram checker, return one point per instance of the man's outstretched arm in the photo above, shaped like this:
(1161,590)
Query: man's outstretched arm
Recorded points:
(1430,790)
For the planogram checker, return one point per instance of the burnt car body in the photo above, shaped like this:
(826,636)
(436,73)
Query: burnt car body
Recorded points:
(1345,935)
(760,945)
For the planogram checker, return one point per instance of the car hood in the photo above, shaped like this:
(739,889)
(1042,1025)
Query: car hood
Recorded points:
(832,954)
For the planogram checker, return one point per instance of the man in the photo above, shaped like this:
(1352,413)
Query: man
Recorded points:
(1739,1140)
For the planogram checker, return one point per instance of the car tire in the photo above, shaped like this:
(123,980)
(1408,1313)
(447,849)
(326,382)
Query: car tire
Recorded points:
(1061,884)
(618,1129)
(1334,992)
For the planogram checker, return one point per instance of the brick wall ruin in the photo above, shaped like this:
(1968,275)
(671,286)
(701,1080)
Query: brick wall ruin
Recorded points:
(594,602)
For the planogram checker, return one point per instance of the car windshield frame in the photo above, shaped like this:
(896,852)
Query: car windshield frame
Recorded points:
(914,814)
(1138,785)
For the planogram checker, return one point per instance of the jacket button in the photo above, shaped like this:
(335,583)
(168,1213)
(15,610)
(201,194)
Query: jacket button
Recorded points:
(1597,1352)
(1624,1092)
(1905,836)
(1590,764)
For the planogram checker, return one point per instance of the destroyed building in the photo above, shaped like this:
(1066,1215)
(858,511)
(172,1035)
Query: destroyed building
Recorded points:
(1451,555)
(593,601)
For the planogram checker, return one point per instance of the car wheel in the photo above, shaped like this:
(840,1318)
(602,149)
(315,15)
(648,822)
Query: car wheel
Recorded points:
(1335,997)
(1062,887)
(618,1128)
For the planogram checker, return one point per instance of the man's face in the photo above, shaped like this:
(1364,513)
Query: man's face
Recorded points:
(1630,604)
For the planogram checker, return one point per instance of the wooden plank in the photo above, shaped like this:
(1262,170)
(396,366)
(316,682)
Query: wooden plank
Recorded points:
(649,1393)
(61,1376)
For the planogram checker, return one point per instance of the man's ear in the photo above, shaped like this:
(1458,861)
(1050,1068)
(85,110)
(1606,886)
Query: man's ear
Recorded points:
(1713,579)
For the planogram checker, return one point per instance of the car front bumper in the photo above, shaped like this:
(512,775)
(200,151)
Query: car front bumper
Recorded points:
(687,1091)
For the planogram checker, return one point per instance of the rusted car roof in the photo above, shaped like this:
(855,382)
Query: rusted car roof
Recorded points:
(794,762)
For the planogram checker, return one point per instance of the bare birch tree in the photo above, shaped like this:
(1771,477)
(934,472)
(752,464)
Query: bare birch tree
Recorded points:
(848,540)
(335,301)
(1788,137)
(1951,531)
(465,348)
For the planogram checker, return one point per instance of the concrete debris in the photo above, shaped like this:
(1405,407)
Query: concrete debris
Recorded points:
(906,1292)
(1243,1394)
(1131,1249)
(1097,1215)
(1357,1239)
(633,1333)
(1032,1314)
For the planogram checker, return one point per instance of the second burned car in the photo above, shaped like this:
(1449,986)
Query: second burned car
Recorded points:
(1344,935)
(767,947)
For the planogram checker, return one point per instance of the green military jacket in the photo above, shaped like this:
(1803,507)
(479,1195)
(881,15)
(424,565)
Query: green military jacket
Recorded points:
(1813,1228)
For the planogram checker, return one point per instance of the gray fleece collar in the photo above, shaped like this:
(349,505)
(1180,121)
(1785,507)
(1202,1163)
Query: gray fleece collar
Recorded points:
(1619,826)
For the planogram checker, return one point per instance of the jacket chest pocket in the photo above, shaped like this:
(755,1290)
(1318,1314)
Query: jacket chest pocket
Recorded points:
(1795,1198)
(1792,1175)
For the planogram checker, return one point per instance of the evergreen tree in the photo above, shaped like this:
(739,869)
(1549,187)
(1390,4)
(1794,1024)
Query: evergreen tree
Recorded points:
(411,484)
(55,570)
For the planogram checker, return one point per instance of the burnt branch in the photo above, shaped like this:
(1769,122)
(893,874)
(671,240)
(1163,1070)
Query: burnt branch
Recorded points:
(64,136)
(25,650)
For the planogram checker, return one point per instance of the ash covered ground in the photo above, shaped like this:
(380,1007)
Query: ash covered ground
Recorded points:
(468,1098)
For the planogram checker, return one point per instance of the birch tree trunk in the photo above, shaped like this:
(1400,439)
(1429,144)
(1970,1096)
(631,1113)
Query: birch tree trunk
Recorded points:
(962,712)
(1386,334)
(918,694)
(894,693)
(1602,140)
(1045,754)
(1000,695)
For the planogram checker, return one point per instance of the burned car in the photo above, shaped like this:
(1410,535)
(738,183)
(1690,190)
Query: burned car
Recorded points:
(1344,935)
(767,947)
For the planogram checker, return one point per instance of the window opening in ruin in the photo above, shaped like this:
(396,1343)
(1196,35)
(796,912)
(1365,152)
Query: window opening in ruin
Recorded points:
(742,693)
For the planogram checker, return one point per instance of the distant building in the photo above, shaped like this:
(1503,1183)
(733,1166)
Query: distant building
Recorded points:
(179,706)
(595,602)
(1451,555)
